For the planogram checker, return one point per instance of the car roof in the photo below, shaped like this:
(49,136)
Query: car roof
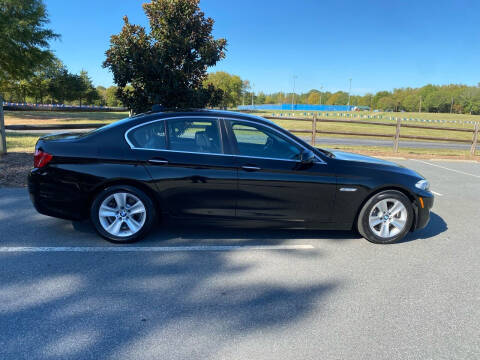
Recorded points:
(200,112)
(152,116)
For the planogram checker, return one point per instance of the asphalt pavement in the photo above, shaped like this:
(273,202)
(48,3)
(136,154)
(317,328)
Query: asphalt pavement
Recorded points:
(191,293)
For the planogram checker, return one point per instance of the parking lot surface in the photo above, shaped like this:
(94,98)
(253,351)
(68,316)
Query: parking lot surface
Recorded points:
(244,294)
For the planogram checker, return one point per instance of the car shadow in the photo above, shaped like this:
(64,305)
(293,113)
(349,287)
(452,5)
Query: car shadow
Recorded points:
(178,234)
(435,227)
(174,233)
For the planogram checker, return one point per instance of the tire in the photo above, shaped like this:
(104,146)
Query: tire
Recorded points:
(386,217)
(132,214)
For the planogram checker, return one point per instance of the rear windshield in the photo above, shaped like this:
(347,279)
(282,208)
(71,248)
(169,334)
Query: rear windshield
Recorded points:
(106,127)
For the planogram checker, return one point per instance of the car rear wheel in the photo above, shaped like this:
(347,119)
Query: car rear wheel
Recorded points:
(386,217)
(122,214)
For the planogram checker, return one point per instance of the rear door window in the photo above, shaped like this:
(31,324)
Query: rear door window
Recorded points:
(194,135)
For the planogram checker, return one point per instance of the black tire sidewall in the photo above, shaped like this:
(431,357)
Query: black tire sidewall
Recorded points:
(147,202)
(363,219)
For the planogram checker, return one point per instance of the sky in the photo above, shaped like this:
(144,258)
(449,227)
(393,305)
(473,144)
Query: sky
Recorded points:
(309,44)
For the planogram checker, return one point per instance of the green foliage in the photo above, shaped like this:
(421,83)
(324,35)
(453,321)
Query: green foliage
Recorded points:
(24,38)
(338,98)
(313,97)
(231,85)
(455,98)
(52,83)
(108,96)
(168,65)
(86,90)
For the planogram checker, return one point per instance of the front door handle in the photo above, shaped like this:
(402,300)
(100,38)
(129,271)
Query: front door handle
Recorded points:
(158,161)
(250,168)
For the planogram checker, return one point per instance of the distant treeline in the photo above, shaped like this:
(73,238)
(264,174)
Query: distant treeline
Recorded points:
(461,99)
(455,98)
(56,85)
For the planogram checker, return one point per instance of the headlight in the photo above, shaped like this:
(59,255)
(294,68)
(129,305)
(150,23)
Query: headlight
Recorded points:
(423,185)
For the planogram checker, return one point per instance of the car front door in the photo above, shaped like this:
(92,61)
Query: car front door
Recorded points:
(186,160)
(273,183)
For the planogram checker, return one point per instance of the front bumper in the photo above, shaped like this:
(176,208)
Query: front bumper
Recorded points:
(423,212)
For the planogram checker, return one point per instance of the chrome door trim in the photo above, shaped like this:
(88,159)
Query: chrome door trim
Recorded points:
(251,168)
(158,161)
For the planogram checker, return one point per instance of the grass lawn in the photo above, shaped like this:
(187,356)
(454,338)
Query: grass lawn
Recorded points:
(20,142)
(378,115)
(58,117)
(379,129)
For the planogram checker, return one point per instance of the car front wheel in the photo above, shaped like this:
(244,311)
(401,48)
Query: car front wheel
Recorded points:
(122,214)
(386,217)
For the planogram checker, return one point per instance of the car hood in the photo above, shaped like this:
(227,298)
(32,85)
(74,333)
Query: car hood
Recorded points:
(341,155)
(347,158)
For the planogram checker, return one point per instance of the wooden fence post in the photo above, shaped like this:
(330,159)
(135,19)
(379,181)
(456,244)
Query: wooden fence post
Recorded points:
(397,136)
(475,139)
(3,136)
(314,129)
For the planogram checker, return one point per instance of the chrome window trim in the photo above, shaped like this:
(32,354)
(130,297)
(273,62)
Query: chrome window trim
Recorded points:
(319,160)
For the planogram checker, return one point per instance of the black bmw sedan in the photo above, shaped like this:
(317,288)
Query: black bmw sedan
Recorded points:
(220,168)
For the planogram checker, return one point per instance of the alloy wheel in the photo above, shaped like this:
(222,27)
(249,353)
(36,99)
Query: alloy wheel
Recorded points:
(122,214)
(388,218)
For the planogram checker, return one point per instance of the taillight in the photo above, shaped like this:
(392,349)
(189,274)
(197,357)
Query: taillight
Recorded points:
(41,158)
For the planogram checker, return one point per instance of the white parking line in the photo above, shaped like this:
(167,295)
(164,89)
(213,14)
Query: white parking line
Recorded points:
(150,248)
(443,167)
(434,192)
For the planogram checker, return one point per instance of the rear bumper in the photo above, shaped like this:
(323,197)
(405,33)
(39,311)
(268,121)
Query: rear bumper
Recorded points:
(423,213)
(51,198)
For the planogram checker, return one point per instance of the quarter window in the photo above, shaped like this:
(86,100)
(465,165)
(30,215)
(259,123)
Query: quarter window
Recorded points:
(260,142)
(150,136)
(194,135)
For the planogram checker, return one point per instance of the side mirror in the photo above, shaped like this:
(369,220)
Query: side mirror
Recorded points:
(307,157)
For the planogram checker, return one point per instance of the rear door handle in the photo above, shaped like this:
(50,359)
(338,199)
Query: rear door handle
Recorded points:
(251,168)
(158,161)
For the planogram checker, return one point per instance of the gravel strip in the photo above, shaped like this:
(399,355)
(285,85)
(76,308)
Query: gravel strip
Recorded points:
(14,168)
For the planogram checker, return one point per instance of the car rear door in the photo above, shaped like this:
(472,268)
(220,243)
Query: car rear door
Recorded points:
(185,157)
(273,183)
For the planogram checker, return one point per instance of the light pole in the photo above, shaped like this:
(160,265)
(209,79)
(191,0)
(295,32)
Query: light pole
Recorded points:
(321,88)
(293,92)
(252,93)
(349,91)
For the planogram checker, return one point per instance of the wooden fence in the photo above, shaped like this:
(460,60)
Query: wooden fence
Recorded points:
(314,130)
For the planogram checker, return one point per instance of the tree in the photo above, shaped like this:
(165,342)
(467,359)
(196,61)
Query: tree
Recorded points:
(23,43)
(108,96)
(338,98)
(87,91)
(313,97)
(168,65)
(231,85)
(111,97)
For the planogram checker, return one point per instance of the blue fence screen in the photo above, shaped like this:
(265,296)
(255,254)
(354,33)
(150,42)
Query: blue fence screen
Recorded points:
(303,107)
